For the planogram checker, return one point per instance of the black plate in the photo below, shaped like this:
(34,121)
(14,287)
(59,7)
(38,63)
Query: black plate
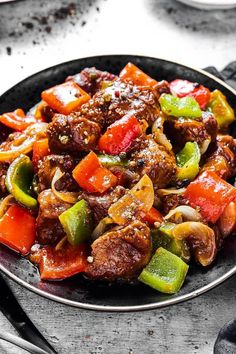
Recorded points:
(78,291)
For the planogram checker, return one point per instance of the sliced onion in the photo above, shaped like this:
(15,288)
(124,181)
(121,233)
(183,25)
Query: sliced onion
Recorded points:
(17,150)
(228,219)
(201,239)
(135,204)
(161,139)
(186,212)
(158,135)
(68,197)
(33,109)
(144,125)
(4,204)
(36,130)
(61,243)
(23,144)
(204,146)
(170,191)
(101,228)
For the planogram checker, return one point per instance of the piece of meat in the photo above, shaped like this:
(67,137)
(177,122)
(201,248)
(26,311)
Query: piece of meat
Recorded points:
(47,168)
(3,173)
(7,143)
(100,204)
(181,130)
(112,103)
(48,226)
(125,176)
(120,254)
(171,201)
(155,161)
(162,87)
(47,113)
(210,124)
(90,79)
(4,132)
(71,134)
(222,157)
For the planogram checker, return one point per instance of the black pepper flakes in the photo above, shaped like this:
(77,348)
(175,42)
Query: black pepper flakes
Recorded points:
(48,29)
(140,163)
(65,11)
(9,50)
(150,332)
(28,25)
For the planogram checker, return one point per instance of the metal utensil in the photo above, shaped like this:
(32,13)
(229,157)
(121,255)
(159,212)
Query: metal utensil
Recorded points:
(20,321)
(24,344)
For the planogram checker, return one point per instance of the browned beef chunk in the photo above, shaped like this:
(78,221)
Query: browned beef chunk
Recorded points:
(47,169)
(172,201)
(49,229)
(90,79)
(162,87)
(7,143)
(120,254)
(3,173)
(4,132)
(71,134)
(111,104)
(126,177)
(179,131)
(100,204)
(155,161)
(222,157)
(47,113)
(210,124)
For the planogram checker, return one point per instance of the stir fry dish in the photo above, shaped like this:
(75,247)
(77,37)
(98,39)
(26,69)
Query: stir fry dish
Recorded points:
(120,178)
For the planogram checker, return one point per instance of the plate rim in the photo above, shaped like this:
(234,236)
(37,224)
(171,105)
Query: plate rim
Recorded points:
(206,5)
(134,308)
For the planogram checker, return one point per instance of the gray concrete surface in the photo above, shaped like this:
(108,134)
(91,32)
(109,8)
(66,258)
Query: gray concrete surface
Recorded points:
(35,34)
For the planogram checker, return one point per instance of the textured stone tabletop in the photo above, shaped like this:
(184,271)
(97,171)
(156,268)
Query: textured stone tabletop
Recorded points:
(35,34)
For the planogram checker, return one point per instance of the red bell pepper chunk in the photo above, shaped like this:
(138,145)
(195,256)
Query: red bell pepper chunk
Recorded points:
(136,76)
(120,135)
(17,229)
(65,98)
(211,194)
(183,88)
(40,150)
(153,216)
(17,120)
(92,176)
(60,264)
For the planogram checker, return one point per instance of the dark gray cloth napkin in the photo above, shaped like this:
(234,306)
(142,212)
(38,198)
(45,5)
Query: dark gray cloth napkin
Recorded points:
(226,340)
(228,74)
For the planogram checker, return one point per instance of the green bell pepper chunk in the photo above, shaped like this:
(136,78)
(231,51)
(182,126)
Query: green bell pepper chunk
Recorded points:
(162,237)
(110,160)
(19,181)
(165,272)
(180,107)
(188,161)
(77,222)
(218,105)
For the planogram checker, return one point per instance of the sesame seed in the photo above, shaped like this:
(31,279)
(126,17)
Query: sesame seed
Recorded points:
(63,139)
